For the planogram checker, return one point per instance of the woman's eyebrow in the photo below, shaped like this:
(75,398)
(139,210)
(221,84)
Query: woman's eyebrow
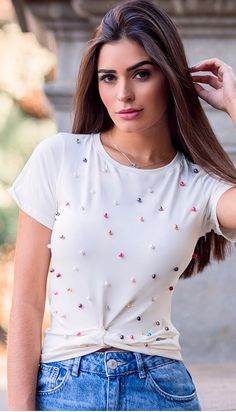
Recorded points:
(135,66)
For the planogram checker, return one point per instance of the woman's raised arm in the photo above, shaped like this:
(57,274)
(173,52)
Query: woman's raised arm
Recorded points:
(32,258)
(222,79)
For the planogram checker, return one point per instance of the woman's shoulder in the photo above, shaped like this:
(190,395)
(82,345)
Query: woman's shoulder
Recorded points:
(63,141)
(191,167)
(203,176)
(195,167)
(65,137)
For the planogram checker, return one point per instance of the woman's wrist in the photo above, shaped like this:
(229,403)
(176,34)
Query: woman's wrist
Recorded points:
(231,109)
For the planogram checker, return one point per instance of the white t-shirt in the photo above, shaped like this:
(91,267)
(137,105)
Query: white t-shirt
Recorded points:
(121,238)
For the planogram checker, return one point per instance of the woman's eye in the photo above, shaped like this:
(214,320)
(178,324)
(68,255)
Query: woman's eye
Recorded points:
(142,75)
(107,78)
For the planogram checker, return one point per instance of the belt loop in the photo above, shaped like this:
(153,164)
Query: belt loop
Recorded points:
(76,364)
(139,360)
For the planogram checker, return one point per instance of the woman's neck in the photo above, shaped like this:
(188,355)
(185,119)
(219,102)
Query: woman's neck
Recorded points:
(145,147)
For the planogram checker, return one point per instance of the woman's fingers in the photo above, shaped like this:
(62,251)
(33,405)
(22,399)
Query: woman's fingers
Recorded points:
(206,65)
(222,80)
(203,93)
(208,79)
(214,65)
(204,68)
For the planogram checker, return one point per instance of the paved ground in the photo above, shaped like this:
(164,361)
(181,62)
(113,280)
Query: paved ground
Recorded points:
(216,386)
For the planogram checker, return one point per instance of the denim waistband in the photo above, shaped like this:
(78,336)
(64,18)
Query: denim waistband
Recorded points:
(115,363)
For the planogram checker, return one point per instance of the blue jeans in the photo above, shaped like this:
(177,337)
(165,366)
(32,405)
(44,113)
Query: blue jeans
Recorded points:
(116,380)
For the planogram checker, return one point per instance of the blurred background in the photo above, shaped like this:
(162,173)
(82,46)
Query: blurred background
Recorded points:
(41,44)
(26,117)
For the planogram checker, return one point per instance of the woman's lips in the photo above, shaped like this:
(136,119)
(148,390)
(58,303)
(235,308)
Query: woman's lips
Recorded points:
(129,114)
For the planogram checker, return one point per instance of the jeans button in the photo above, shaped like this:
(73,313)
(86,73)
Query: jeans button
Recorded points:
(112,364)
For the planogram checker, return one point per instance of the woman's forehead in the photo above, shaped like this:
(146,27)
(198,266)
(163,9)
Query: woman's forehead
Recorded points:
(123,52)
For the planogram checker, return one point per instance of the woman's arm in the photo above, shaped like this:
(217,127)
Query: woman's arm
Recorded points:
(32,258)
(222,96)
(222,79)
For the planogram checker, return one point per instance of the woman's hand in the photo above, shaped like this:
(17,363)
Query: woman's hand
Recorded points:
(222,80)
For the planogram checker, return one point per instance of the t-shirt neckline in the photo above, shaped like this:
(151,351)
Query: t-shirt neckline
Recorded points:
(104,153)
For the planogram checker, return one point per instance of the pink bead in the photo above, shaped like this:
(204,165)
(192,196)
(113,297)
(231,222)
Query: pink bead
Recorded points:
(141,218)
(133,280)
(62,237)
(110,232)
(171,288)
(56,293)
(131,336)
(181,183)
(195,256)
(106,215)
(121,254)
(194,209)
(78,334)
(58,275)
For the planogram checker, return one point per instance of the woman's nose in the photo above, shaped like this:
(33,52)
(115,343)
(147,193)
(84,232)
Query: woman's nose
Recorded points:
(125,92)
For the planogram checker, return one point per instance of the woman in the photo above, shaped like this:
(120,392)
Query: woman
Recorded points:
(138,196)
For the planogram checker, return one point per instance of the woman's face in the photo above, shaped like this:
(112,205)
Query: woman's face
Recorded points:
(133,89)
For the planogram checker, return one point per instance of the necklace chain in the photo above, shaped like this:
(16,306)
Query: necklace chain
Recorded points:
(118,150)
(132,164)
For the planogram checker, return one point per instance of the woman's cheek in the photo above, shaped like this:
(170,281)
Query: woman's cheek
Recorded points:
(159,95)
(105,97)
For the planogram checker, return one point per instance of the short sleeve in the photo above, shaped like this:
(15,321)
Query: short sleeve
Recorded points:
(213,189)
(35,188)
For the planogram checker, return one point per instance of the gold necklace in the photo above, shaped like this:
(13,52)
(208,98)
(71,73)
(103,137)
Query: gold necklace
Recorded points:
(132,164)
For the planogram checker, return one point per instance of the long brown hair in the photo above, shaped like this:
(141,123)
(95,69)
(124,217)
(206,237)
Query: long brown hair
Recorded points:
(144,22)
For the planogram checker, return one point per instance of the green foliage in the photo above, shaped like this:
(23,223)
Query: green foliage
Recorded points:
(8,224)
